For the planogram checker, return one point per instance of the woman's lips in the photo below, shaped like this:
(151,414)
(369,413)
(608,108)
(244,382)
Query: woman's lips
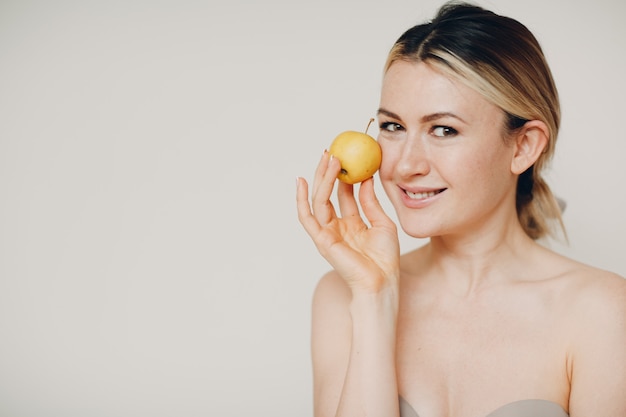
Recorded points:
(421,198)
(422,194)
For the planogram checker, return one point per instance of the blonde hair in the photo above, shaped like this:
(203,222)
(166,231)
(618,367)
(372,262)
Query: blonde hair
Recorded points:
(502,60)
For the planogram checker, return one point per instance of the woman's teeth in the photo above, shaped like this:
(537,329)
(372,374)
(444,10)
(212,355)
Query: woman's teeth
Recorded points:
(419,196)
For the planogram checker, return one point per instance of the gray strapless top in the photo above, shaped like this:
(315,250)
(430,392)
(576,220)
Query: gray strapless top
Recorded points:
(523,408)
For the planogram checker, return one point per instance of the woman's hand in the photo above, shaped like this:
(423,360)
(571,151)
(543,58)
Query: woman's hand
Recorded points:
(367,257)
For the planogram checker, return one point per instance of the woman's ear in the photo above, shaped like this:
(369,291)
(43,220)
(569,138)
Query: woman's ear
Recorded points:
(530,142)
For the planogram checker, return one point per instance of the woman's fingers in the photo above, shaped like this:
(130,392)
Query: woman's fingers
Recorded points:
(318,212)
(371,206)
(322,167)
(347,203)
(325,178)
(305,215)
(363,256)
(345,192)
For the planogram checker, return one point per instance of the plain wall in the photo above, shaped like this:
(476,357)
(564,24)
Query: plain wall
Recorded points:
(151,262)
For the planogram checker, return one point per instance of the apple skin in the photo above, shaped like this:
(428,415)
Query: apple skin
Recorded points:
(359,154)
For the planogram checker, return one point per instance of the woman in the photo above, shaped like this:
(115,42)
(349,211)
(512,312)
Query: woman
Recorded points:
(482,320)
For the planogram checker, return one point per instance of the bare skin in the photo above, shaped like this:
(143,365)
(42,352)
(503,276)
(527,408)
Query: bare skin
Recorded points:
(479,317)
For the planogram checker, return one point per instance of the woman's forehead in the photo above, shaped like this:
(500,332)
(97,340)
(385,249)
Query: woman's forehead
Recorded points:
(418,87)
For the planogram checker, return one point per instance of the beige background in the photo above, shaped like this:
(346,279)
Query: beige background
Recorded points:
(151,263)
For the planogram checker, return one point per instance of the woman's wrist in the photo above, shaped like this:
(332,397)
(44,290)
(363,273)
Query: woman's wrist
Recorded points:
(375,307)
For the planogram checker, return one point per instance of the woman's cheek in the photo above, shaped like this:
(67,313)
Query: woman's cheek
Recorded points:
(388,161)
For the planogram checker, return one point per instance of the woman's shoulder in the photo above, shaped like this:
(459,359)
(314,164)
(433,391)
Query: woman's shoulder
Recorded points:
(331,291)
(593,300)
(594,322)
(587,282)
(598,294)
(580,285)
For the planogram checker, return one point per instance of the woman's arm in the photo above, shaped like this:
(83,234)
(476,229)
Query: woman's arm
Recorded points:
(598,370)
(353,351)
(355,306)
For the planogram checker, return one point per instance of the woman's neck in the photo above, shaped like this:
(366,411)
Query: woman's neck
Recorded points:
(468,263)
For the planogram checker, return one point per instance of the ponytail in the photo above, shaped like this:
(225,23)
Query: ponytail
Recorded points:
(537,208)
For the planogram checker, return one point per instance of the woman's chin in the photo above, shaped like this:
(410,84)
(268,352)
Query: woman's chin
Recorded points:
(418,233)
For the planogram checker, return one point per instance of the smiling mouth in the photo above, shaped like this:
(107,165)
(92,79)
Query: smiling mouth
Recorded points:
(420,196)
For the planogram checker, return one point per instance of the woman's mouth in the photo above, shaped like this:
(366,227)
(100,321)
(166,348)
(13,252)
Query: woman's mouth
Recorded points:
(423,194)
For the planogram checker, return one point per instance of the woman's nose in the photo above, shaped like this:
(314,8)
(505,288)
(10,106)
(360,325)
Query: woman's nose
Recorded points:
(413,158)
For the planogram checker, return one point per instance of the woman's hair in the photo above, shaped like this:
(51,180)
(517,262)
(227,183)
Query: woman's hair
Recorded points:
(501,59)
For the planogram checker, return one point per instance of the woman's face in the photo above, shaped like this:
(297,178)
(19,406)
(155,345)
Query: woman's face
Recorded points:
(446,167)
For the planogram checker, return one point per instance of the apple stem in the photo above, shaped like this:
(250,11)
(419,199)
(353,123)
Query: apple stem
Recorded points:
(368,125)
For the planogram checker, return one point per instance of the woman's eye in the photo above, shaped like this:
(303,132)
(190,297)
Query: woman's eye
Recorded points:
(443,131)
(390,127)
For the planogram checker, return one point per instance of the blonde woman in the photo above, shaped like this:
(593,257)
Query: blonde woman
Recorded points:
(482,320)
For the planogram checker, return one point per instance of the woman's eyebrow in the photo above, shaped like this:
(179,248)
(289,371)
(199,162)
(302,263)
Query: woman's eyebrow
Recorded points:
(388,114)
(440,115)
(424,119)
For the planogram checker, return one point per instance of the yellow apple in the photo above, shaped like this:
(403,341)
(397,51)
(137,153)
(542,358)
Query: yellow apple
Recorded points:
(359,154)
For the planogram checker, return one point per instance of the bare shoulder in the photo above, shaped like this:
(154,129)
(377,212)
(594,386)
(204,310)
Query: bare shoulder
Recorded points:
(596,323)
(331,291)
(596,293)
(594,310)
